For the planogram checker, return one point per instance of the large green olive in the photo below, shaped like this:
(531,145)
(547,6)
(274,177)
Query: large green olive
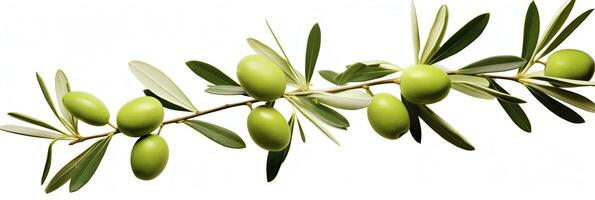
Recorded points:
(424,84)
(268,128)
(140,116)
(86,107)
(388,116)
(570,64)
(149,157)
(261,78)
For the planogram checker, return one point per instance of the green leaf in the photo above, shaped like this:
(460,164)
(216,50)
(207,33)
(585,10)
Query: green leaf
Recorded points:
(462,38)
(471,91)
(493,64)
(415,32)
(210,73)
(360,72)
(165,103)
(225,90)
(556,107)
(348,100)
(556,24)
(312,50)
(514,111)
(567,31)
(276,158)
(531,32)
(156,81)
(329,75)
(31,132)
(266,51)
(502,96)
(302,135)
(88,165)
(62,88)
(414,127)
(328,115)
(313,118)
(348,74)
(218,134)
(67,171)
(48,162)
(569,97)
(443,129)
(469,79)
(436,34)
(48,98)
(562,81)
(32,120)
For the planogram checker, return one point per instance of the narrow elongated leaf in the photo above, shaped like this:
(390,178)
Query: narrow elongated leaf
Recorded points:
(165,103)
(299,77)
(314,119)
(312,50)
(210,73)
(471,91)
(563,81)
(360,72)
(462,38)
(556,24)
(493,64)
(302,135)
(88,165)
(443,129)
(556,107)
(531,32)
(436,34)
(264,50)
(348,100)
(48,97)
(514,110)
(225,90)
(326,114)
(48,162)
(160,84)
(65,174)
(502,96)
(32,120)
(569,97)
(567,31)
(62,88)
(415,32)
(329,75)
(31,132)
(348,74)
(220,135)
(414,126)
(276,158)
(481,81)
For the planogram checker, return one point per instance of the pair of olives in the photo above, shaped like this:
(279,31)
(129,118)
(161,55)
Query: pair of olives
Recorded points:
(570,64)
(137,118)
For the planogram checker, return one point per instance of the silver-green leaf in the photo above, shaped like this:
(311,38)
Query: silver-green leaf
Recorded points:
(218,134)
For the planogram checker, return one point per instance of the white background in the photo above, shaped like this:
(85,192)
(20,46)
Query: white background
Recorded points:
(93,42)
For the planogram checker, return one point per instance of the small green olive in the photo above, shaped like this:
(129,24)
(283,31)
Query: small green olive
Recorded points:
(140,116)
(570,64)
(424,84)
(261,78)
(268,128)
(149,157)
(86,107)
(388,116)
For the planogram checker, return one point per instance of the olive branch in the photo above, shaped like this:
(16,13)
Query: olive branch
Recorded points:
(352,91)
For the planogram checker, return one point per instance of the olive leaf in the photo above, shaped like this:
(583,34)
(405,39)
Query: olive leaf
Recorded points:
(218,134)
(302,135)
(62,87)
(501,96)
(210,73)
(357,72)
(462,38)
(276,158)
(414,127)
(326,114)
(562,81)
(31,132)
(165,103)
(32,120)
(225,90)
(477,80)
(531,32)
(514,110)
(313,118)
(555,24)
(567,31)
(48,162)
(329,76)
(262,49)
(348,100)
(88,165)
(456,81)
(471,91)
(160,84)
(302,82)
(50,102)
(569,97)
(66,172)
(436,34)
(493,64)
(312,50)
(415,32)
(555,107)
(443,129)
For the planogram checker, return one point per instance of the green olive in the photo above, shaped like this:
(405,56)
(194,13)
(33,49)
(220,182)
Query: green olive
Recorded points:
(268,128)
(570,64)
(261,78)
(149,157)
(86,107)
(388,116)
(140,116)
(424,84)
